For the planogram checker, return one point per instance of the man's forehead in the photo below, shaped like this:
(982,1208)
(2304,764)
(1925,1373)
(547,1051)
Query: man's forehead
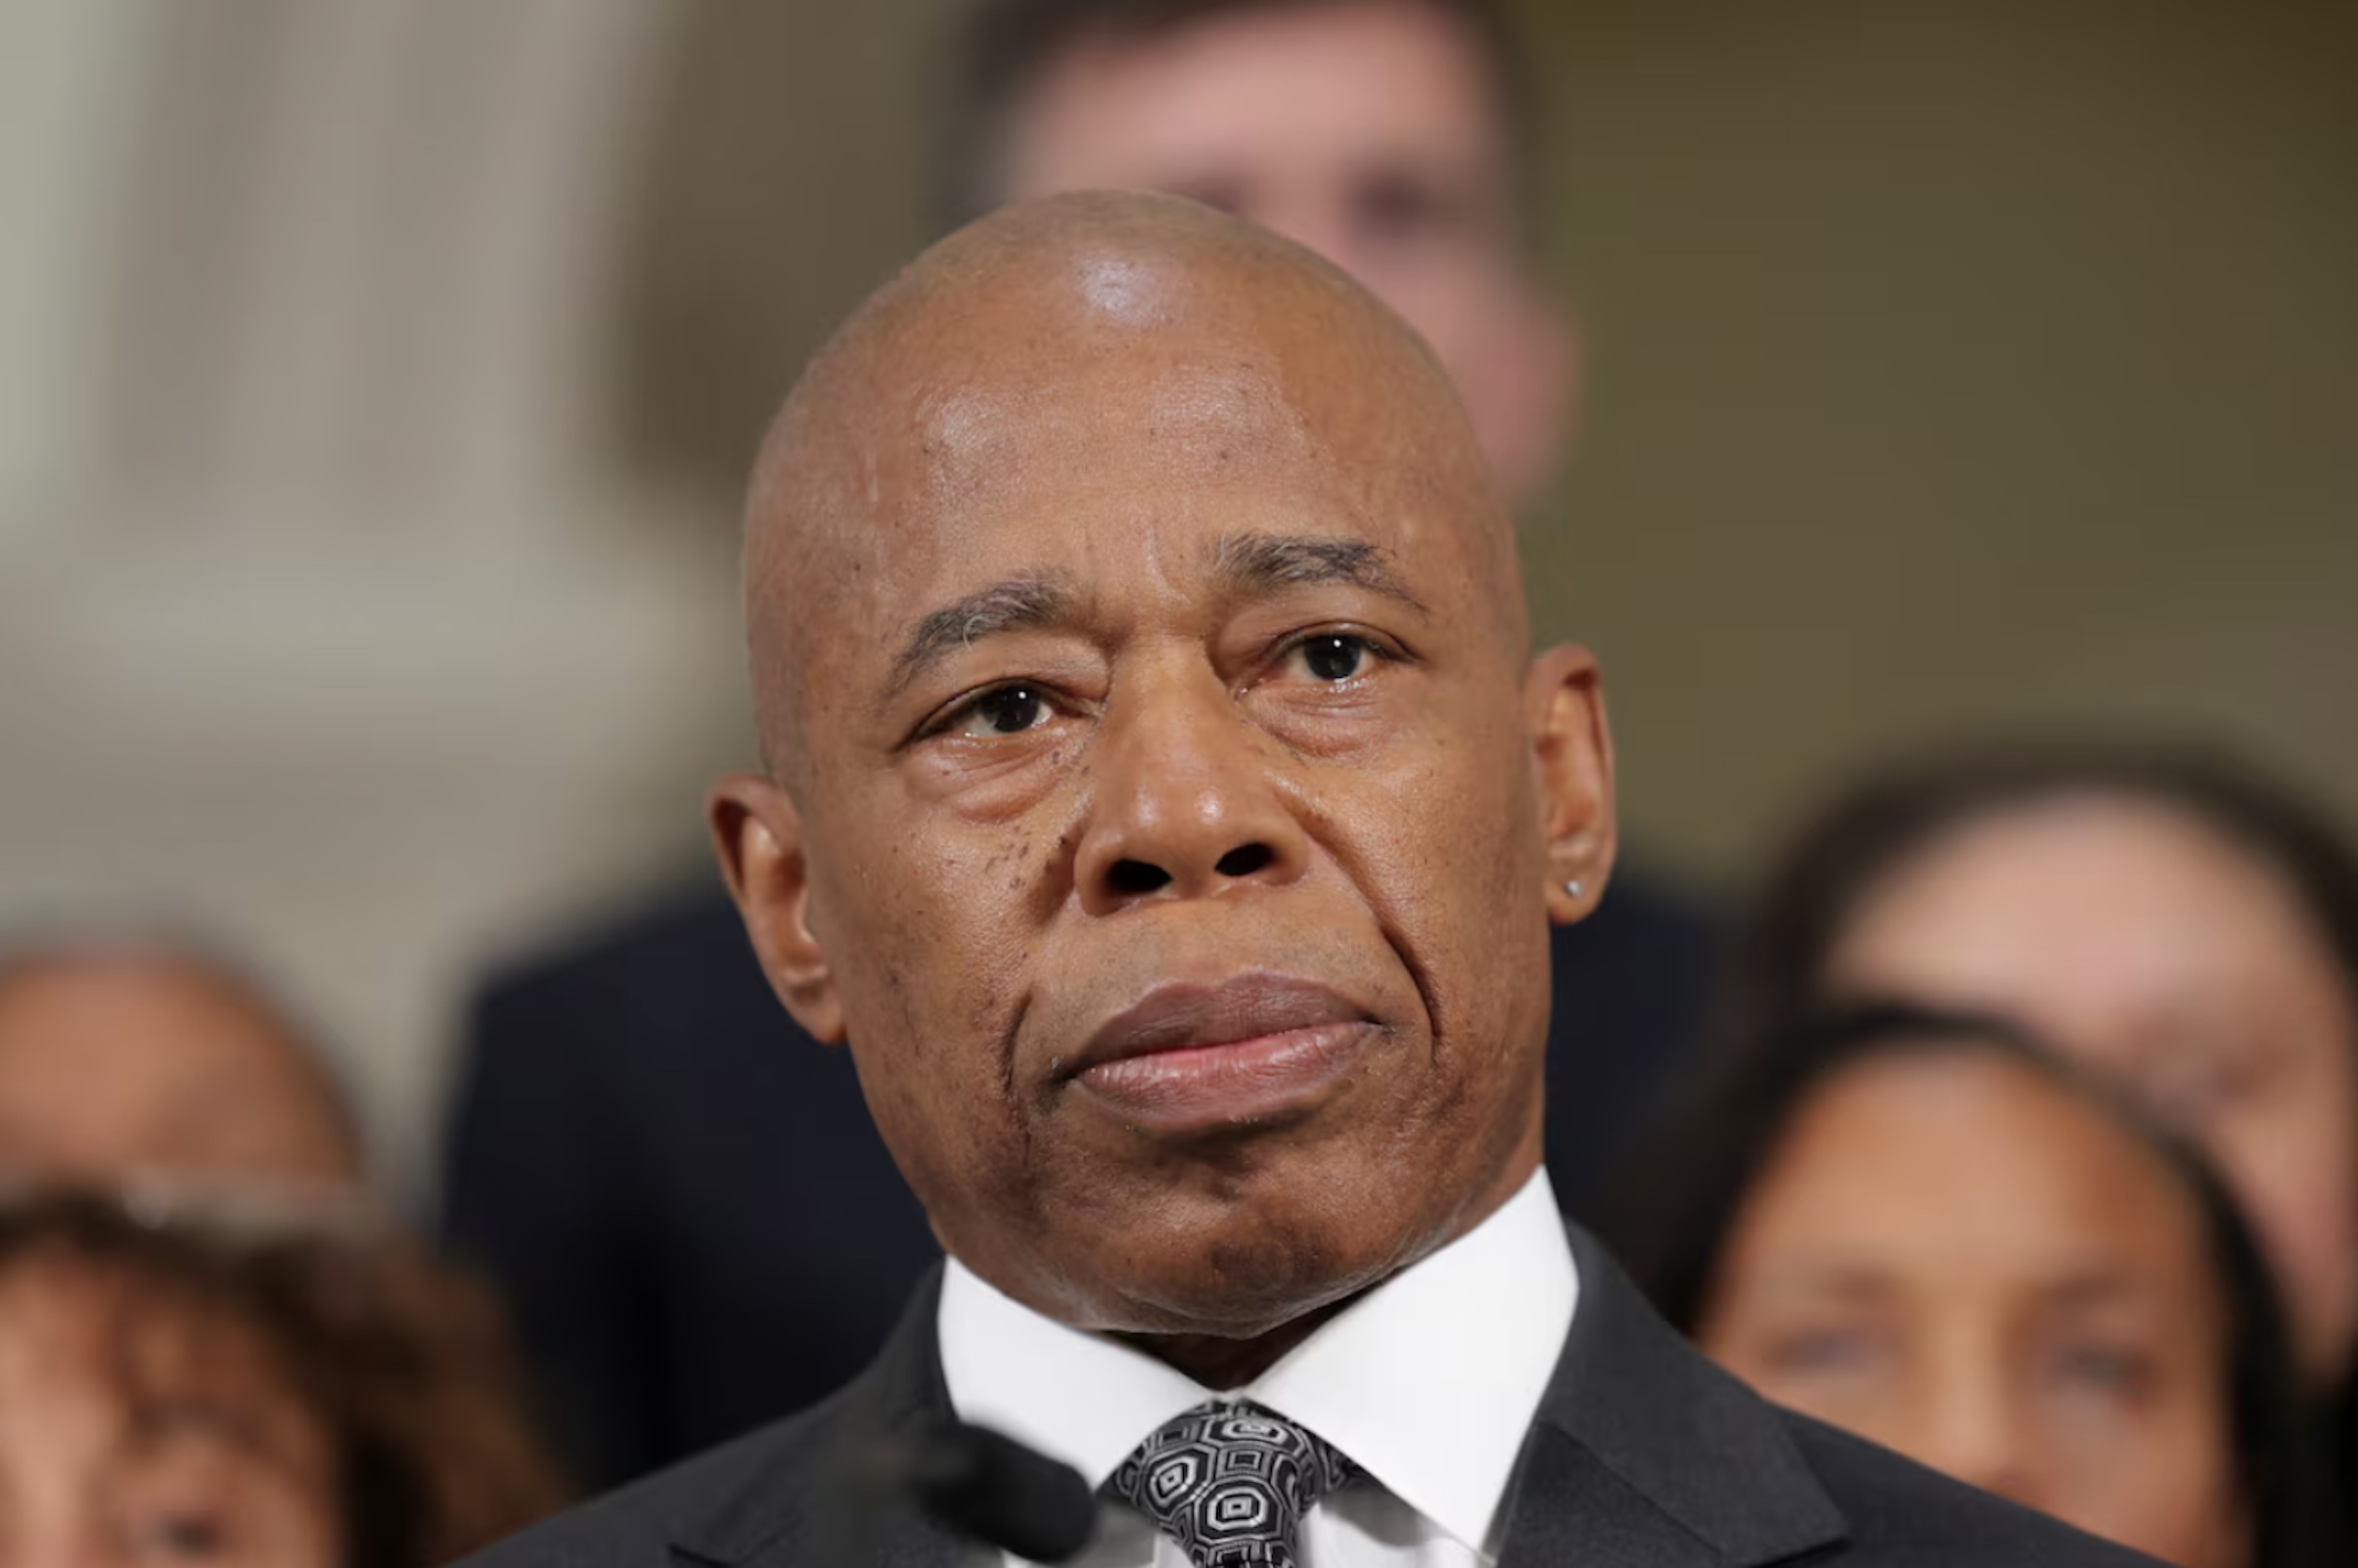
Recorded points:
(1168,456)
(1087,371)
(1136,295)
(1006,432)
(1132,409)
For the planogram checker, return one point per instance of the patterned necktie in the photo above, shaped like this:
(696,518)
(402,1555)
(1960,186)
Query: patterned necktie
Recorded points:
(1230,1483)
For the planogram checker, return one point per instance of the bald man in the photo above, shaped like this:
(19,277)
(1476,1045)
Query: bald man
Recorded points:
(604,1121)
(125,1058)
(1163,807)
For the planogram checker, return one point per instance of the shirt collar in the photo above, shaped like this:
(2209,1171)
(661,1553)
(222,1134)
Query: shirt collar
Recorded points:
(1428,1381)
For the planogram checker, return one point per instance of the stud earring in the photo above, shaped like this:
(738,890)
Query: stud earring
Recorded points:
(1572,889)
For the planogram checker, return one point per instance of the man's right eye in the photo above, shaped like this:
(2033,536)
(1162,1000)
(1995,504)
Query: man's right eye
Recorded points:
(1403,207)
(1005,710)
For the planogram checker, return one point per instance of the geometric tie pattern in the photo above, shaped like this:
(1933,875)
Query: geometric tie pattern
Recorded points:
(1230,1482)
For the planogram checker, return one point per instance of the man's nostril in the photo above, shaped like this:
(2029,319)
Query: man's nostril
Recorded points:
(1130,877)
(1244,860)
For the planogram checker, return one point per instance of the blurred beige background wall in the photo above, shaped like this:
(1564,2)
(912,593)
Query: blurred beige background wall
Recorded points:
(1957,364)
(377,374)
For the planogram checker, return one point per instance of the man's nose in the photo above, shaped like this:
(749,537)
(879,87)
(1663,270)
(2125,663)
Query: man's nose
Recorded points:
(1185,800)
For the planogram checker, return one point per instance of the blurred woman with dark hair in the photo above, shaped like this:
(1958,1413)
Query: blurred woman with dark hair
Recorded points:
(182,1389)
(2166,916)
(1927,1228)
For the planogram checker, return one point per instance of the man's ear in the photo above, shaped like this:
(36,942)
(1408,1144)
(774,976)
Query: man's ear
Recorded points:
(758,832)
(1572,765)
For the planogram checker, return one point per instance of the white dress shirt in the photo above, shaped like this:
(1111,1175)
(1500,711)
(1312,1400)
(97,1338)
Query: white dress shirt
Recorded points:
(1428,1383)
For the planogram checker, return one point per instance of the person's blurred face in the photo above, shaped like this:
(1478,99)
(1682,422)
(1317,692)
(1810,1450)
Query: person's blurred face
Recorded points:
(132,1436)
(1956,1257)
(1364,129)
(111,1067)
(2141,940)
(1177,818)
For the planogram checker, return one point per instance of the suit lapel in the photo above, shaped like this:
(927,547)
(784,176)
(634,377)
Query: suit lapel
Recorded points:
(1646,1456)
(799,1511)
(1643,1456)
(1571,1509)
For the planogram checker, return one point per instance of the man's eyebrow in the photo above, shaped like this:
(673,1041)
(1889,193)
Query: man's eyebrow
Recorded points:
(1262,562)
(1033,599)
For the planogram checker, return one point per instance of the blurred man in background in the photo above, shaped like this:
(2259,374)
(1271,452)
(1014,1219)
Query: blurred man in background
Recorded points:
(213,1342)
(698,1226)
(1392,137)
(123,1056)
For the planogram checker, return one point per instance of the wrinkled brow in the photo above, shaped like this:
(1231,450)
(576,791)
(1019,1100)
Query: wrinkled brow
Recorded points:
(1262,562)
(1031,600)
(1247,562)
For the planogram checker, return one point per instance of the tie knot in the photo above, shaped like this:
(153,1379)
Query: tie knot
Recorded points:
(1230,1483)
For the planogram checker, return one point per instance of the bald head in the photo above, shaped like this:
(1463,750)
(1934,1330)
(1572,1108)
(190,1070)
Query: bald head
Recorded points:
(1038,336)
(1164,803)
(121,1058)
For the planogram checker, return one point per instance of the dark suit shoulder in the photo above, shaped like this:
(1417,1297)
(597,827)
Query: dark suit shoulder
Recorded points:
(636,1526)
(778,1489)
(1900,1512)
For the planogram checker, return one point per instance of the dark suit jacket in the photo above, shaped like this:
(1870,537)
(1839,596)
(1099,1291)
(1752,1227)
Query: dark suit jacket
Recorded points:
(1643,1456)
(696,1227)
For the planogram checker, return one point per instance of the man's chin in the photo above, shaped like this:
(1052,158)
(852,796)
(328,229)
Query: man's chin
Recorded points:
(1229,1239)
(1240,1281)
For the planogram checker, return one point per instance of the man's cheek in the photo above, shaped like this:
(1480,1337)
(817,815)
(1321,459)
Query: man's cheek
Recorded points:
(1471,807)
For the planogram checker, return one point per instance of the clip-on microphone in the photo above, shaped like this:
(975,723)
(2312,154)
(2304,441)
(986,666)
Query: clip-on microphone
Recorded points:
(977,1483)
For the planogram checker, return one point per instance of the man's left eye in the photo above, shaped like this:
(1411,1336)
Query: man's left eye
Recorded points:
(1334,656)
(1003,711)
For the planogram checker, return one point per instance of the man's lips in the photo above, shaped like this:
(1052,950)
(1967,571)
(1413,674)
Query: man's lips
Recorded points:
(1195,1055)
